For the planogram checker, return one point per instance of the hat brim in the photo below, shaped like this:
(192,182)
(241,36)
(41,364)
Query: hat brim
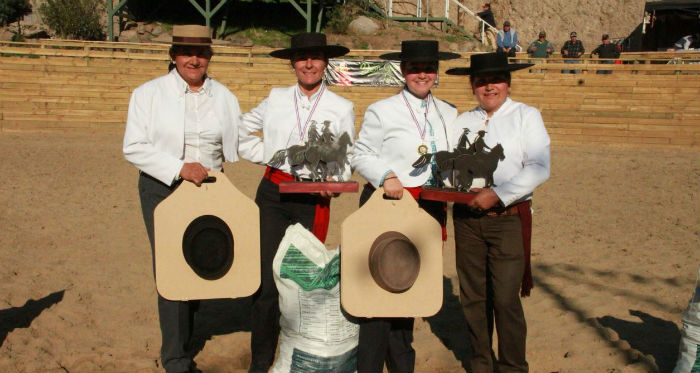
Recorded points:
(196,41)
(396,56)
(193,44)
(495,69)
(329,51)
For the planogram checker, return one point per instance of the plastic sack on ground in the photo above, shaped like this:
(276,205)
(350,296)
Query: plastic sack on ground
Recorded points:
(316,336)
(689,351)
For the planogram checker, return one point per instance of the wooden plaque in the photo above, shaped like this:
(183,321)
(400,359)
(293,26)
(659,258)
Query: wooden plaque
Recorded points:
(175,278)
(314,187)
(360,295)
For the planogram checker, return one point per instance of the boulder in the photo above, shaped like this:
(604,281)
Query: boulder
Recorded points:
(220,42)
(157,30)
(128,25)
(129,36)
(38,34)
(363,26)
(6,35)
(148,28)
(239,40)
(163,38)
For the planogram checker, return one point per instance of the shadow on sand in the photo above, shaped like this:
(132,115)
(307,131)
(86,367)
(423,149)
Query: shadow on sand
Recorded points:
(450,326)
(652,336)
(22,317)
(219,317)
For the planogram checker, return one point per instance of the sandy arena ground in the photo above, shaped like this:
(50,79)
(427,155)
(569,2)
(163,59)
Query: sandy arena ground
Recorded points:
(615,247)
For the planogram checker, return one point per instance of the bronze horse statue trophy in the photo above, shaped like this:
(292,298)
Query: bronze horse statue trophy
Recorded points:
(467,162)
(316,153)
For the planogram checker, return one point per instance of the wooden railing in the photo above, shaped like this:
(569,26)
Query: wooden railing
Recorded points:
(86,85)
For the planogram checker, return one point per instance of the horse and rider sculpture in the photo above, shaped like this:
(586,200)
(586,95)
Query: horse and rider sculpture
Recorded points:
(469,161)
(317,153)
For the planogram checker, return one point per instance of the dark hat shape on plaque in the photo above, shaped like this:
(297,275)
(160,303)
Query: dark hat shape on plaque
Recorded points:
(391,260)
(419,51)
(487,63)
(207,242)
(195,35)
(394,262)
(310,42)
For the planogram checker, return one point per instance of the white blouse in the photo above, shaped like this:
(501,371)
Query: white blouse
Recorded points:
(202,130)
(285,123)
(520,130)
(154,139)
(392,131)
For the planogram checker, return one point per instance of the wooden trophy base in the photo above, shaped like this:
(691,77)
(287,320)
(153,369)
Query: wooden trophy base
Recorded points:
(314,187)
(446,195)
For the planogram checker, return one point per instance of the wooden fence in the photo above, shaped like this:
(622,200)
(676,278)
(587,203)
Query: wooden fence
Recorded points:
(68,85)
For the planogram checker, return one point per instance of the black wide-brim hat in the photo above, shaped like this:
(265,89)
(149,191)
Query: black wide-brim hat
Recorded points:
(486,63)
(310,42)
(419,51)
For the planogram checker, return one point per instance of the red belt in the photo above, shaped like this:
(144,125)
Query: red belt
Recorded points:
(415,192)
(526,223)
(323,205)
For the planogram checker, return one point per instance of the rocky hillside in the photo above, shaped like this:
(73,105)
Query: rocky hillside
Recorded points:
(589,18)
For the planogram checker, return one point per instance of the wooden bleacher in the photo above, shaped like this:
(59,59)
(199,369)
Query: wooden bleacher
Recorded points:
(69,85)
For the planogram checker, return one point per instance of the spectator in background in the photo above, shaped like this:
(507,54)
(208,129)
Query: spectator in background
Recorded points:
(487,15)
(507,40)
(606,50)
(540,48)
(572,48)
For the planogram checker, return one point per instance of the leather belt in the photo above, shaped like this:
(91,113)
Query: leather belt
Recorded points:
(512,210)
(508,211)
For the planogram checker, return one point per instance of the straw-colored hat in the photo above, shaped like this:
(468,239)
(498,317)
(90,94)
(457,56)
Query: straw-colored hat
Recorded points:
(191,35)
(391,260)
(207,242)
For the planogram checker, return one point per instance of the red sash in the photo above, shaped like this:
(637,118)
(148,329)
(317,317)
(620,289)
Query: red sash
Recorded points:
(526,223)
(415,192)
(323,206)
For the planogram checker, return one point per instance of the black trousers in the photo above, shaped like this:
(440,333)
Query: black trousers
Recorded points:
(510,53)
(277,212)
(176,317)
(490,266)
(389,339)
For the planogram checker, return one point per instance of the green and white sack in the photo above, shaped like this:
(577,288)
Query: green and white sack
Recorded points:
(316,336)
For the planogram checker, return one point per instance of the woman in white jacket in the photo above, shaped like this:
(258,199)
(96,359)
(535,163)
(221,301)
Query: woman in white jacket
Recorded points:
(178,127)
(395,132)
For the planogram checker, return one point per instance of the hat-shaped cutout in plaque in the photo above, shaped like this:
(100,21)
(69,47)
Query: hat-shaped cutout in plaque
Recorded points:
(391,260)
(207,242)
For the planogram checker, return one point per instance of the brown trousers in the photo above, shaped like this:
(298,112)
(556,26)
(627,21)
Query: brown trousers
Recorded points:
(490,265)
